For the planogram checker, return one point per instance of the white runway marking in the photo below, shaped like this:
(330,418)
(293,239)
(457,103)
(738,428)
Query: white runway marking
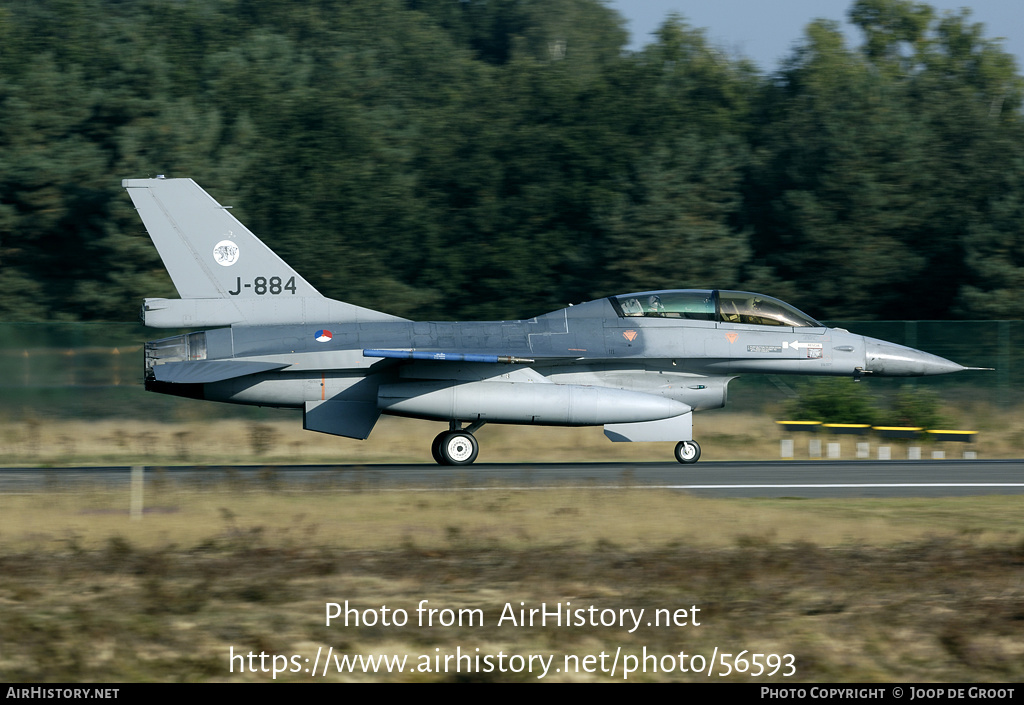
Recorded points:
(859,485)
(871,485)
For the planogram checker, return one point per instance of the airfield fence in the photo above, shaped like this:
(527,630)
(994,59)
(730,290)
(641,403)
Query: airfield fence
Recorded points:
(94,370)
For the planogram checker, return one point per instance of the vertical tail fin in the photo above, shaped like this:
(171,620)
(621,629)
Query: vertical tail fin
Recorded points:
(206,250)
(222,271)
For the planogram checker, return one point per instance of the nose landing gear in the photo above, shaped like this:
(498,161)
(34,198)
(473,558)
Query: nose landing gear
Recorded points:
(687,452)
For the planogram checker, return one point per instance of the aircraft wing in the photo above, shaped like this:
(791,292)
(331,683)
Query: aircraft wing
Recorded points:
(205,371)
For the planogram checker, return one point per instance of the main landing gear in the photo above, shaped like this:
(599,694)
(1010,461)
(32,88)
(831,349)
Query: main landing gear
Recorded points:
(687,452)
(456,446)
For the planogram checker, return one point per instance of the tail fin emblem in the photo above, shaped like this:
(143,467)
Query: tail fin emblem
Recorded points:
(225,253)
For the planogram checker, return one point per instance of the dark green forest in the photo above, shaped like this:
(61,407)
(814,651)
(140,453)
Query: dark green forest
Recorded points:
(483,159)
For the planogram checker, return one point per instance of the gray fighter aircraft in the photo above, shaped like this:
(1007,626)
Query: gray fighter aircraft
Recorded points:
(637,364)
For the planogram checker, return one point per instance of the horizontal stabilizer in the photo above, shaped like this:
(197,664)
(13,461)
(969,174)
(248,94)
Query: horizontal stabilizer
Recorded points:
(446,356)
(205,371)
(189,313)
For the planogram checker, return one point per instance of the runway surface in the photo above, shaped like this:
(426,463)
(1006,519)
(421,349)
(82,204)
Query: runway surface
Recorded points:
(862,478)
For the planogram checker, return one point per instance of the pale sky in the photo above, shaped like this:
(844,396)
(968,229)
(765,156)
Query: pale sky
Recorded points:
(766,30)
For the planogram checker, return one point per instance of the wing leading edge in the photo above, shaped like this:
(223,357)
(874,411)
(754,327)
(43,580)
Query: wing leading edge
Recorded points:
(447,356)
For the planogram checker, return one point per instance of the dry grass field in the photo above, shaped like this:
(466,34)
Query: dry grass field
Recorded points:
(852,591)
(797,590)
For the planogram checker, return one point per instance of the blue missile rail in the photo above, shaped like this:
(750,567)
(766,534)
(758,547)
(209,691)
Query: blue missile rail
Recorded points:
(447,356)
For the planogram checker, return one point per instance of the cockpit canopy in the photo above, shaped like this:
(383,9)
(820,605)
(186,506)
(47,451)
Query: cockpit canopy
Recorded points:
(713,305)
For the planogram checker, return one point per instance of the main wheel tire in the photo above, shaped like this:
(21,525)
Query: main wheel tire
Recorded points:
(435,447)
(687,452)
(458,448)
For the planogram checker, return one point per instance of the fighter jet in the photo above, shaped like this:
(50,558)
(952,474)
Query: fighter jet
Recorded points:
(638,364)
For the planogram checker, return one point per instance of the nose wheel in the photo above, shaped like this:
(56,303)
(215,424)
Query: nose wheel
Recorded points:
(687,452)
(454,448)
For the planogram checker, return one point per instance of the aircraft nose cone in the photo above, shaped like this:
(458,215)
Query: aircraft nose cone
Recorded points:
(891,360)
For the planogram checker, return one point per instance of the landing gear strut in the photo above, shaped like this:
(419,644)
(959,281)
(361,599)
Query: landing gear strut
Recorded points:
(456,446)
(687,452)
